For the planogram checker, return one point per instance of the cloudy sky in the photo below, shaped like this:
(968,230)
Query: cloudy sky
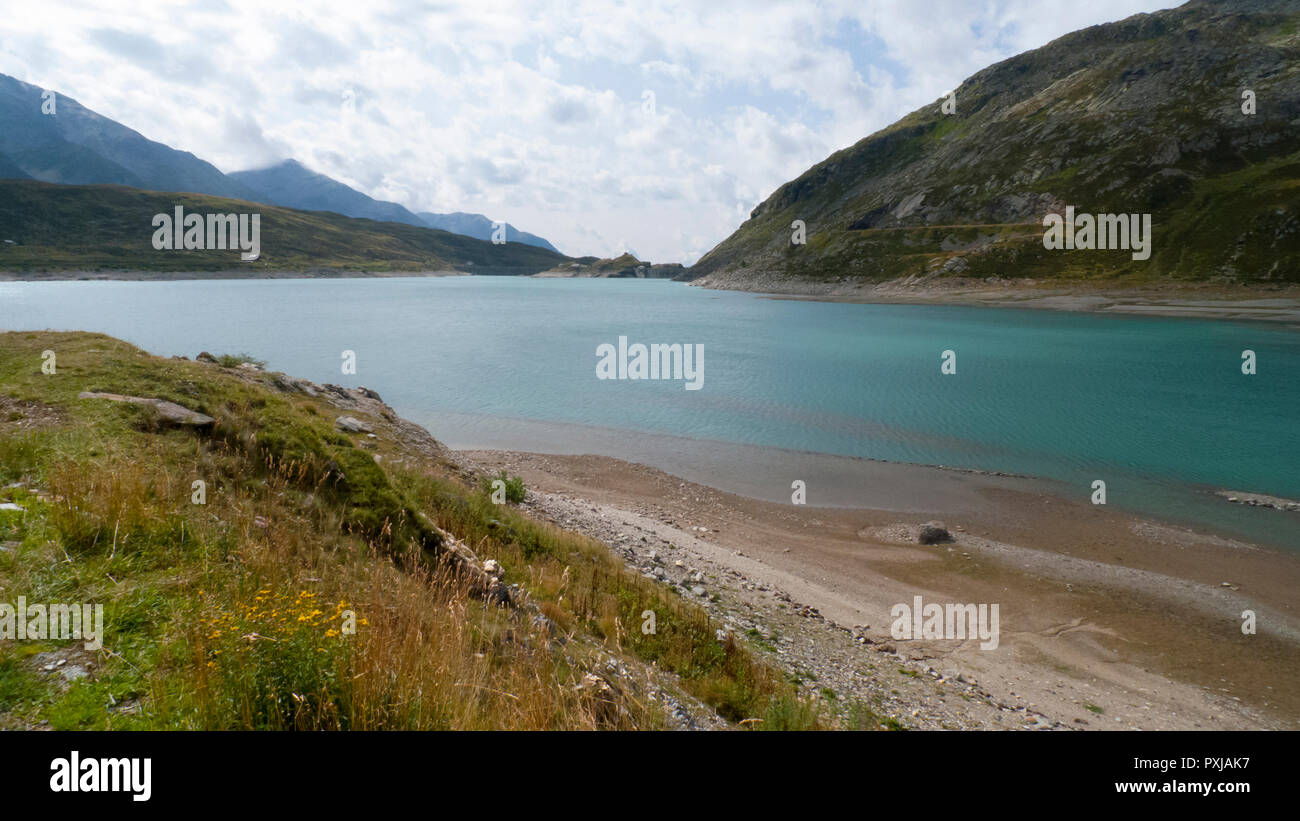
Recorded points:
(647,126)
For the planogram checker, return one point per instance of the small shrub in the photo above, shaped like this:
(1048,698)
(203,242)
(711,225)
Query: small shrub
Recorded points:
(514,487)
(229,360)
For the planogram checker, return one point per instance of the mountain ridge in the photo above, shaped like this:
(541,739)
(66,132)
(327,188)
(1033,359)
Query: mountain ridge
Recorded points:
(480,227)
(292,184)
(1144,115)
(74,145)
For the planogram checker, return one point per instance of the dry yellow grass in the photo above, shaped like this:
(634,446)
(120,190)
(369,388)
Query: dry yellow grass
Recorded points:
(233,614)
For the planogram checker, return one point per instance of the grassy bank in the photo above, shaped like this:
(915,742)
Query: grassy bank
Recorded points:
(315,585)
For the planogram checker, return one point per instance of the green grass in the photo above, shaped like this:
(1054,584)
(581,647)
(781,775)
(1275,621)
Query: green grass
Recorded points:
(1054,127)
(511,488)
(231,614)
(109,228)
(235,360)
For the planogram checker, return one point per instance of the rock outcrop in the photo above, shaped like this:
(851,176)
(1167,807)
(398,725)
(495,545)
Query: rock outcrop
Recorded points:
(626,266)
(168,412)
(351,424)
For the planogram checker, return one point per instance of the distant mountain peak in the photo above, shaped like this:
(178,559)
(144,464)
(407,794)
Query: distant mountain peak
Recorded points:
(77,146)
(292,184)
(480,227)
(74,145)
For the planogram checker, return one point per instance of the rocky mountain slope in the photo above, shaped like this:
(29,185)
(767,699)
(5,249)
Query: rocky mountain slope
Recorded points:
(73,145)
(625,266)
(1148,115)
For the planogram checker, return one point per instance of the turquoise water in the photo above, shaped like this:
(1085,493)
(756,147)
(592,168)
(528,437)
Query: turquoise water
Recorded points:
(1157,407)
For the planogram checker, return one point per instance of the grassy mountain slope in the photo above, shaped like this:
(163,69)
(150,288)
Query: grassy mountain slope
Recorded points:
(73,145)
(229,614)
(109,228)
(1139,116)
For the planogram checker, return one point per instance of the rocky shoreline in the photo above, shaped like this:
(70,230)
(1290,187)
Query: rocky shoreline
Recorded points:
(1259,500)
(808,589)
(1273,303)
(823,656)
(702,543)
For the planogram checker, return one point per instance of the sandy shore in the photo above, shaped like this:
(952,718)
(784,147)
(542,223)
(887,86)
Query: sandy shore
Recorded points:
(1107,621)
(1271,303)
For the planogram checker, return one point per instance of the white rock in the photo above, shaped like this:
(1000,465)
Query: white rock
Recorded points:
(351,424)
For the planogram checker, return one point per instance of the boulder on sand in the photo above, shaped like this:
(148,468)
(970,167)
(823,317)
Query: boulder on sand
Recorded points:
(933,533)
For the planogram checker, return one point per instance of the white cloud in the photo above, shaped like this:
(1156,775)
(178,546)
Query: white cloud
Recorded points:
(531,111)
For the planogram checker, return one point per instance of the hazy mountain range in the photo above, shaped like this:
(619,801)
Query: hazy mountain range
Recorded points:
(76,146)
(480,227)
(293,185)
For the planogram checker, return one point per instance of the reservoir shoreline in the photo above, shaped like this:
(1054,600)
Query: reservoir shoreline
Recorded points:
(839,481)
(1109,620)
(1278,303)
(1274,303)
